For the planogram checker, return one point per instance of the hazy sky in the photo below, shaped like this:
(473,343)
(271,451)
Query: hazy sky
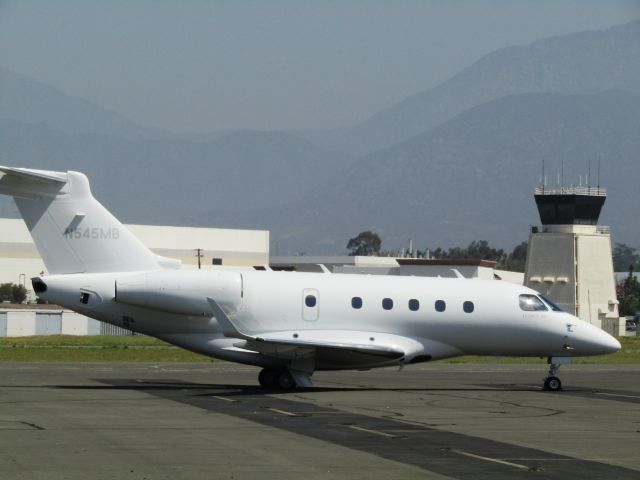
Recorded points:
(196,66)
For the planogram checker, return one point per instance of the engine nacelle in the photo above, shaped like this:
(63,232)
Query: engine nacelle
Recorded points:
(183,292)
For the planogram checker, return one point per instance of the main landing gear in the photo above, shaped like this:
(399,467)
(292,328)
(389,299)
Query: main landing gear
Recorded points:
(552,383)
(278,379)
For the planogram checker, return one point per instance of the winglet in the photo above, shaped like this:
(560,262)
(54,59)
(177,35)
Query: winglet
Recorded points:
(228,328)
(457,273)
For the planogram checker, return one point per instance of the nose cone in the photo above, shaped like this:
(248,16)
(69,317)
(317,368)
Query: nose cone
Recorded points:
(590,340)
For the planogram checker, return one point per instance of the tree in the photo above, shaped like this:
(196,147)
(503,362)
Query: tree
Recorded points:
(481,250)
(629,295)
(365,243)
(517,259)
(624,257)
(477,249)
(10,292)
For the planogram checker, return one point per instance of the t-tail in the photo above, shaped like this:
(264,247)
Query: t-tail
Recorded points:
(73,232)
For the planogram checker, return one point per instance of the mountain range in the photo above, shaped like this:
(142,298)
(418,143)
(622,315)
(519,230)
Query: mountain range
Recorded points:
(473,176)
(585,62)
(446,166)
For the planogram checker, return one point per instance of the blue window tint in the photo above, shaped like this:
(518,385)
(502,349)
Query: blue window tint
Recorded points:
(468,307)
(356,302)
(440,306)
(387,303)
(551,303)
(414,305)
(310,300)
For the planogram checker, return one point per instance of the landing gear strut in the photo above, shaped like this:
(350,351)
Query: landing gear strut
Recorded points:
(278,379)
(552,383)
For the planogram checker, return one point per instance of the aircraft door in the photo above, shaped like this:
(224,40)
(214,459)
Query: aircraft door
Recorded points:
(310,304)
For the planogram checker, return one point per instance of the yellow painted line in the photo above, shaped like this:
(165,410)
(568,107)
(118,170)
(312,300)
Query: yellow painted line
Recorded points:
(232,400)
(375,432)
(489,459)
(283,412)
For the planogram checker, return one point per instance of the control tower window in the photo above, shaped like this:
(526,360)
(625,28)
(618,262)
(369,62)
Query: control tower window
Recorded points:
(531,303)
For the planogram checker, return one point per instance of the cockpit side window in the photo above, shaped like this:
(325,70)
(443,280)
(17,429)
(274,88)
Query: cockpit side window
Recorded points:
(551,303)
(531,303)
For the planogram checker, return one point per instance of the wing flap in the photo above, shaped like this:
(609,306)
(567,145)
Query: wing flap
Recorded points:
(379,345)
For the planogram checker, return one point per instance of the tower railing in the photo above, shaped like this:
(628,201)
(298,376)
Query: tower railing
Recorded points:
(602,229)
(590,191)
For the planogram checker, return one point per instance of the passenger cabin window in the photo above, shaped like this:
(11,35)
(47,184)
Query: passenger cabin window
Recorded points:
(441,306)
(468,307)
(356,302)
(414,305)
(387,303)
(310,301)
(551,303)
(531,303)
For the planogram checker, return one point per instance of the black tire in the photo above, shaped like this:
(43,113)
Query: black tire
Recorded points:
(267,378)
(553,384)
(285,381)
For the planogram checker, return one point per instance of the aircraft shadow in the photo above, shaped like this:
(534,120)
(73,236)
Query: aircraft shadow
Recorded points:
(255,390)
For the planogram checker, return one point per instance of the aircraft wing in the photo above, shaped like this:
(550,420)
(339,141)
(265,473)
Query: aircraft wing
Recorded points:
(371,346)
(306,342)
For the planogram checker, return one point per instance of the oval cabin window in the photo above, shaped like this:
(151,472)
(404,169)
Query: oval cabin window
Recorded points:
(356,302)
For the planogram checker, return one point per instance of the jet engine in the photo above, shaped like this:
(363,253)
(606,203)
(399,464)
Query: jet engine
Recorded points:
(182,292)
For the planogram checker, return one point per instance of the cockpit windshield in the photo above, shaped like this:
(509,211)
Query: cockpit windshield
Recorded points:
(531,303)
(551,303)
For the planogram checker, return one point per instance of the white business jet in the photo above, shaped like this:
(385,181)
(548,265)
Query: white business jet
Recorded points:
(290,324)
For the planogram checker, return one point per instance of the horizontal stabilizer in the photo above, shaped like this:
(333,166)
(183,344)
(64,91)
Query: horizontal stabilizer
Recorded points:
(25,183)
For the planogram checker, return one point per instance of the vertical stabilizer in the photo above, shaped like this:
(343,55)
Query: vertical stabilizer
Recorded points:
(73,232)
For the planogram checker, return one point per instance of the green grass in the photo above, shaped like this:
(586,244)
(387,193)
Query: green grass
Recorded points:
(69,348)
(138,348)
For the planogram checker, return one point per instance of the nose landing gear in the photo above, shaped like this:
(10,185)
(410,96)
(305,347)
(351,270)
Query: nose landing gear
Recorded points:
(552,383)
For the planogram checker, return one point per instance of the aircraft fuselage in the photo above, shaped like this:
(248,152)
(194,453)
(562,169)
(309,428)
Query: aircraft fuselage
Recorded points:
(439,317)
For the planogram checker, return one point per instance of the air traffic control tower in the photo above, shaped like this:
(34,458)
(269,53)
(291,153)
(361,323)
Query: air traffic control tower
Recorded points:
(569,257)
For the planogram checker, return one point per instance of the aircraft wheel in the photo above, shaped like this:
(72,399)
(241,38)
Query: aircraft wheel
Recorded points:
(267,378)
(553,384)
(285,381)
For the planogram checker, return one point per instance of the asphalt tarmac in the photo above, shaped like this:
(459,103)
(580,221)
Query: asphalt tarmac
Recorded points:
(212,421)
